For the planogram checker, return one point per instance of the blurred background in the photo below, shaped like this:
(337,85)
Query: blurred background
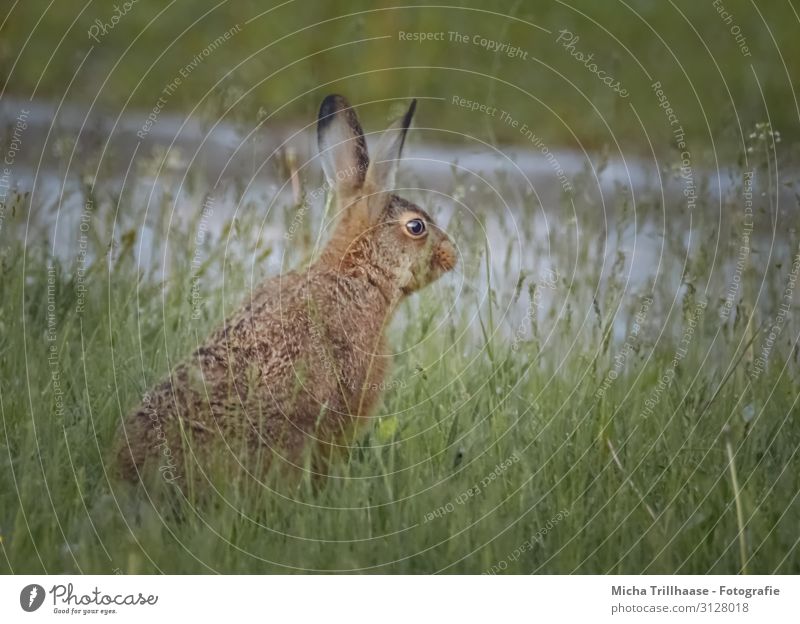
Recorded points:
(721,64)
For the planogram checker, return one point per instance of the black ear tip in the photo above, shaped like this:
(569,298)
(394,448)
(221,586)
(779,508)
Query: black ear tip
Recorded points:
(332,104)
(410,113)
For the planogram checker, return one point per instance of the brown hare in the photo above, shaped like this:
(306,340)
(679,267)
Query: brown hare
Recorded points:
(299,367)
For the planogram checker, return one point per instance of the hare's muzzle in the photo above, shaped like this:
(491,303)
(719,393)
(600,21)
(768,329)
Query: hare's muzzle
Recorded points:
(445,256)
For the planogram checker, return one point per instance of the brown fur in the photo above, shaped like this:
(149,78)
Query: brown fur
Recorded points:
(299,367)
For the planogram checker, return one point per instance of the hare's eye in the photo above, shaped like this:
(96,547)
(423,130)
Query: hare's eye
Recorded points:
(416,227)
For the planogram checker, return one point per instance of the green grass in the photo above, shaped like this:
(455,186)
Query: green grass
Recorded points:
(499,447)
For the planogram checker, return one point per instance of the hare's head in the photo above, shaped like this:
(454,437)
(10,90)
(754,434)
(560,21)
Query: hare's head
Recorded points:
(384,234)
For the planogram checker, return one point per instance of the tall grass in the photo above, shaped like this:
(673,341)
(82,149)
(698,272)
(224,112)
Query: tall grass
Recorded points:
(526,427)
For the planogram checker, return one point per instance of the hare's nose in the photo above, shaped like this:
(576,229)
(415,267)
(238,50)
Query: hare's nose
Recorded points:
(446,255)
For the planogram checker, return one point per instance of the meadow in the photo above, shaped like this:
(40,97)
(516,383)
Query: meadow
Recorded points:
(607,384)
(548,441)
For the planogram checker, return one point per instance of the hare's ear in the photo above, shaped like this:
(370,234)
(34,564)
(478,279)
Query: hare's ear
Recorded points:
(341,145)
(383,169)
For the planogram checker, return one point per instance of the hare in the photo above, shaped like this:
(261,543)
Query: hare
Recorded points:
(300,367)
